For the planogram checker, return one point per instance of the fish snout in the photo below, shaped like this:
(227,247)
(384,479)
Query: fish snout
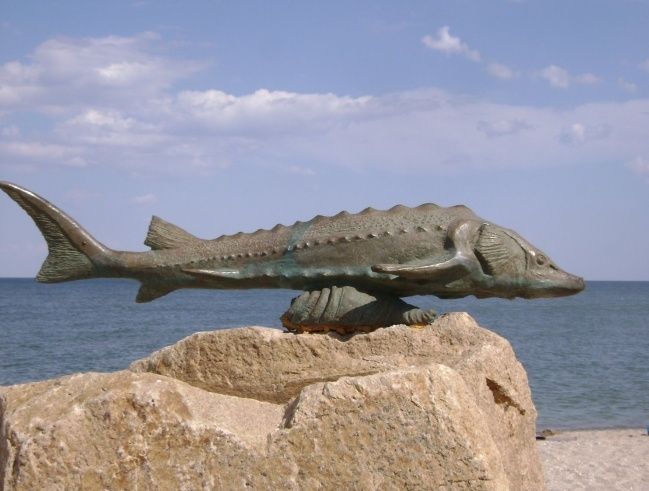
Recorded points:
(563,285)
(580,284)
(570,285)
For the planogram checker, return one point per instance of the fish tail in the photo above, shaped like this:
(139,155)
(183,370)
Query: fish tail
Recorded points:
(73,253)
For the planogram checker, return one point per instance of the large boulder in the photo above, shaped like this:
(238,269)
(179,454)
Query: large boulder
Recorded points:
(443,407)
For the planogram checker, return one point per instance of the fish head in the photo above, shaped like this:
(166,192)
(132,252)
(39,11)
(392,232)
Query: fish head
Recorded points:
(513,267)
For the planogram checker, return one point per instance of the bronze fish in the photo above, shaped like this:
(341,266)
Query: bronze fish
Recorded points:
(426,250)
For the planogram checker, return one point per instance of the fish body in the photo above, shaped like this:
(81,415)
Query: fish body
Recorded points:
(426,250)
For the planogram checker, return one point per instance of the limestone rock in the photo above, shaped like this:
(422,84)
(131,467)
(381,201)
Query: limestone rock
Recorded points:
(414,428)
(128,431)
(271,365)
(445,407)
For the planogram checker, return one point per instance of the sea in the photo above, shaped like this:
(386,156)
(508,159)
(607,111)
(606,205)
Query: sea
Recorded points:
(586,356)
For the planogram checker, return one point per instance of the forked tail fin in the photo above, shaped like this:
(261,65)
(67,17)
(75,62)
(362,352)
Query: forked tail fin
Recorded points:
(73,252)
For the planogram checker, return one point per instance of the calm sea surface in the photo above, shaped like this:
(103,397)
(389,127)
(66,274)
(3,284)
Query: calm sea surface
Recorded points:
(587,356)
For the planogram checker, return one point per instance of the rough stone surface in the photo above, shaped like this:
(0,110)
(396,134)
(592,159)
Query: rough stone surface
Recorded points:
(443,407)
(270,365)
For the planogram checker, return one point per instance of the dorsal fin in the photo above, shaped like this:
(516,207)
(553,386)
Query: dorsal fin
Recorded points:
(165,235)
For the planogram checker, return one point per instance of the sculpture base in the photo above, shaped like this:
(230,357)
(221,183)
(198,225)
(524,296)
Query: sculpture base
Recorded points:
(346,310)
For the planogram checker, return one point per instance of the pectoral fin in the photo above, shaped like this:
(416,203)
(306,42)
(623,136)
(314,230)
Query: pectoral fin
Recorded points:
(230,274)
(455,267)
(460,234)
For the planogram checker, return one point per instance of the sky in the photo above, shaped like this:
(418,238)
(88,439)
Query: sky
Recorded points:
(232,116)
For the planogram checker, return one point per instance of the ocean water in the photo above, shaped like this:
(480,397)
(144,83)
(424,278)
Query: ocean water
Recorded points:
(586,356)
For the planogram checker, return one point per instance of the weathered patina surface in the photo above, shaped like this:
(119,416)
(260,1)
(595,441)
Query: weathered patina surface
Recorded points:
(427,250)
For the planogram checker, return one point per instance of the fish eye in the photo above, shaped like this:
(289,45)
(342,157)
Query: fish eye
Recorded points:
(541,259)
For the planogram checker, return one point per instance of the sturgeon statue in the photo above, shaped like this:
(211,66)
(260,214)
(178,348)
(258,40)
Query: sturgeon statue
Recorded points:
(353,268)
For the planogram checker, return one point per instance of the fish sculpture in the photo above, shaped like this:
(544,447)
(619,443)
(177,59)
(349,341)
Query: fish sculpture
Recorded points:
(353,268)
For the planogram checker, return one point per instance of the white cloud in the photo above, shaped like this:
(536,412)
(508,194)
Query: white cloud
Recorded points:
(639,165)
(167,130)
(124,73)
(556,76)
(578,133)
(300,170)
(627,86)
(560,78)
(110,127)
(10,132)
(145,199)
(110,119)
(272,111)
(446,43)
(63,74)
(503,127)
(586,79)
(575,133)
(501,71)
(38,151)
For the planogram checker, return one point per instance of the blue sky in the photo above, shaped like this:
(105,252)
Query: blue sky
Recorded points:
(228,116)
